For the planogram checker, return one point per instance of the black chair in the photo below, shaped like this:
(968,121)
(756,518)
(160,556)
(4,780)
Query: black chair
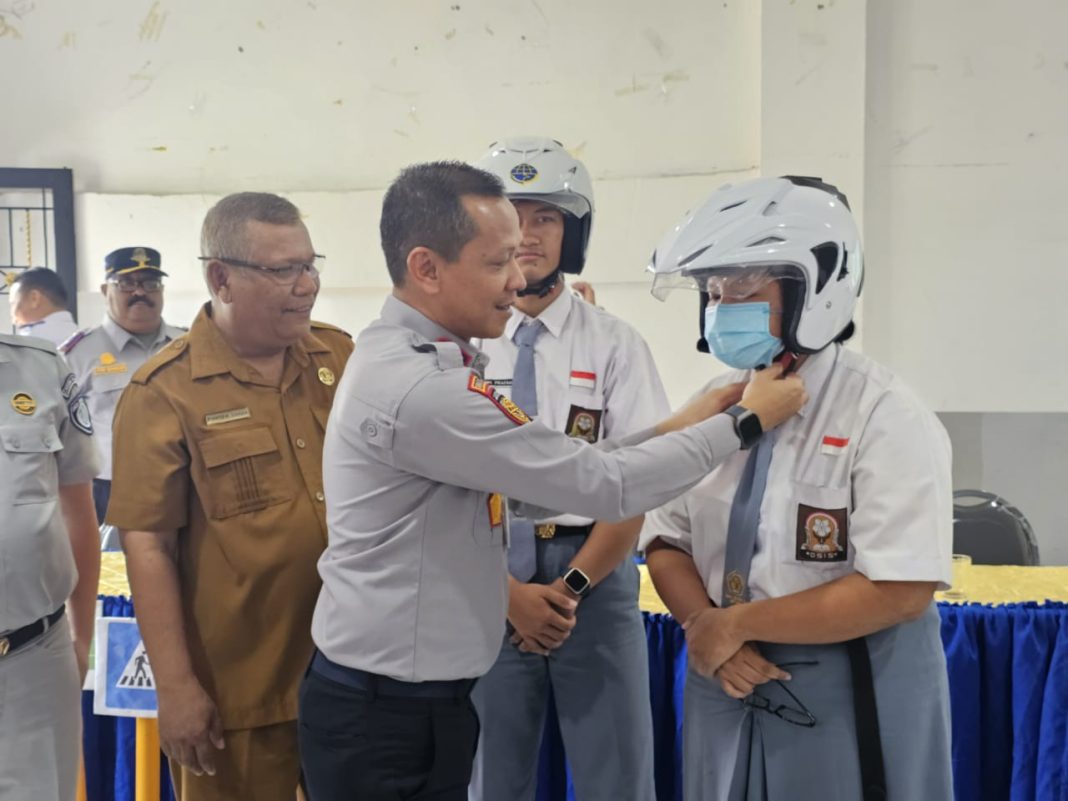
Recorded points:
(991,530)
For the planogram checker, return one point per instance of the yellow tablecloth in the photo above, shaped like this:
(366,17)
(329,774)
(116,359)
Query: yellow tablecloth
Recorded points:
(113,579)
(987,584)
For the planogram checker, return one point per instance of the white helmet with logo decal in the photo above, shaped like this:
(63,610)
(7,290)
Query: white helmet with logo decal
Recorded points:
(773,228)
(538,168)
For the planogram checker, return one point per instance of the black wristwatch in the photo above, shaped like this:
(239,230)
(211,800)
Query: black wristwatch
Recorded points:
(746,426)
(577,581)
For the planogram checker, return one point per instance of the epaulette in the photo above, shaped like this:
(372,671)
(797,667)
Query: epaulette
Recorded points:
(164,356)
(20,341)
(73,340)
(449,354)
(328,327)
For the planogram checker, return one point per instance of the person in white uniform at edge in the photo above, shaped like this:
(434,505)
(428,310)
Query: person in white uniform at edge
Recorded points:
(590,375)
(49,566)
(804,567)
(39,305)
(412,608)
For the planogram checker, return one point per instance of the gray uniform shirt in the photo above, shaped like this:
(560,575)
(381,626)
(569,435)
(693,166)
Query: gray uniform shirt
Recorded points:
(45,443)
(54,327)
(104,360)
(417,448)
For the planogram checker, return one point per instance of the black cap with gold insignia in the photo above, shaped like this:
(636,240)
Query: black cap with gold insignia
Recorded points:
(131,260)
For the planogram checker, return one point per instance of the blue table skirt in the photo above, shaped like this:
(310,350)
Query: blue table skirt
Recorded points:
(1008,671)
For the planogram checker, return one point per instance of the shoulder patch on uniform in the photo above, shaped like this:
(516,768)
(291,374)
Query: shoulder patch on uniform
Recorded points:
(78,409)
(70,386)
(73,339)
(328,327)
(164,356)
(505,404)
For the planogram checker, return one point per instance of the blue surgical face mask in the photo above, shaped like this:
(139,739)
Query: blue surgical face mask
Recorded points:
(739,334)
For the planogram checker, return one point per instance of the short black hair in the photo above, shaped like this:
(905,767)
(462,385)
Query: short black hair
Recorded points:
(423,207)
(45,281)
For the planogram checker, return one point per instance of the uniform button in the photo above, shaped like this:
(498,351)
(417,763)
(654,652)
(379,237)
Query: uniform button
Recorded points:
(319,496)
(178,344)
(372,430)
(301,443)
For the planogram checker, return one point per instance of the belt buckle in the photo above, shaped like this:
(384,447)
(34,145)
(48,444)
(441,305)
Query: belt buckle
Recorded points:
(5,646)
(545,531)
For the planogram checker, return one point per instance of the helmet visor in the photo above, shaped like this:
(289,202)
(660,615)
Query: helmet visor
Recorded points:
(733,284)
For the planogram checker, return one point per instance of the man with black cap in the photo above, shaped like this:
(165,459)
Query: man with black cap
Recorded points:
(105,357)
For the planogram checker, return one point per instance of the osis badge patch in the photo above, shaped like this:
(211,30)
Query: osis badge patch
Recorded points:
(584,423)
(822,534)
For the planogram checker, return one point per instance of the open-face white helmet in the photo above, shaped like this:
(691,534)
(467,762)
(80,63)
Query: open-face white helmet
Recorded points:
(538,168)
(775,228)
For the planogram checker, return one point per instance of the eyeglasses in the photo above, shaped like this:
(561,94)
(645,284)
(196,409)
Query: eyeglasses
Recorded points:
(284,276)
(798,716)
(127,284)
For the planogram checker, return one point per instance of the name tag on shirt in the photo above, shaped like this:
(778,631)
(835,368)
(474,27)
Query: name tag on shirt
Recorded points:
(108,369)
(218,418)
(583,380)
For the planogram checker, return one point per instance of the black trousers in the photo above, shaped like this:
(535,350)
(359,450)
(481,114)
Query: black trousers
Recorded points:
(356,746)
(101,495)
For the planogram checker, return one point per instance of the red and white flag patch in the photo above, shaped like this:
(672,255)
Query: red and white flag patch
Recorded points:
(583,380)
(834,446)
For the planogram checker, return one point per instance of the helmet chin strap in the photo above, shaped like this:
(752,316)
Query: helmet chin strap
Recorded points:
(542,287)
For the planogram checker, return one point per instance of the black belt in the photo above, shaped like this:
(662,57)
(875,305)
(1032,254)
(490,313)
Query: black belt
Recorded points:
(550,531)
(374,684)
(866,715)
(11,642)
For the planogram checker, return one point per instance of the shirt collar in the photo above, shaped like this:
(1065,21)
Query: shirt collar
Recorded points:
(553,317)
(211,354)
(397,312)
(60,316)
(120,336)
(815,372)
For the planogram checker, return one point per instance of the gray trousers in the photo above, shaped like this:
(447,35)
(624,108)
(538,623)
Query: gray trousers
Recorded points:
(600,682)
(40,719)
(732,752)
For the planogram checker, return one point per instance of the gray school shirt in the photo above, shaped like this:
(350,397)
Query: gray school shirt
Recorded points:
(45,443)
(419,450)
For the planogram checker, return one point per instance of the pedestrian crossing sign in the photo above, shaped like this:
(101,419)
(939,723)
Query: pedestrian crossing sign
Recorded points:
(125,685)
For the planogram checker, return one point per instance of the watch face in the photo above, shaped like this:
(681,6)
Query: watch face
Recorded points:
(576,581)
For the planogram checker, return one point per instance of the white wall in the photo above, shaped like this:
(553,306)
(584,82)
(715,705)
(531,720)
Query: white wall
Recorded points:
(945,122)
(966,210)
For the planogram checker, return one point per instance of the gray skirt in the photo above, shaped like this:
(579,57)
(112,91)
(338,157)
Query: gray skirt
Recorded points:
(735,752)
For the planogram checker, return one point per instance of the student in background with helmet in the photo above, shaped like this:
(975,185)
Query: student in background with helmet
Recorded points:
(804,567)
(585,372)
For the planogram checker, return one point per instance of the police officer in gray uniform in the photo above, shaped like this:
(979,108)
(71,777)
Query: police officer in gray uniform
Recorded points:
(49,554)
(420,450)
(105,357)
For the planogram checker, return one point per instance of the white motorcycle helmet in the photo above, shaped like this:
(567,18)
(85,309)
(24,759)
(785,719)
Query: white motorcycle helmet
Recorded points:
(538,168)
(792,228)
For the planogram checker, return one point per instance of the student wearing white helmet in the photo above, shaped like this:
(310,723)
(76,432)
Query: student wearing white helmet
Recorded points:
(585,372)
(804,569)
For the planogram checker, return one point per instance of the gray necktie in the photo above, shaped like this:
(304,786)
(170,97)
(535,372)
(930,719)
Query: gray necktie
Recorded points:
(522,552)
(743,522)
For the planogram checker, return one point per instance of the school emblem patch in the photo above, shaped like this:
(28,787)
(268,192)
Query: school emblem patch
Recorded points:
(584,423)
(822,534)
(505,404)
(523,173)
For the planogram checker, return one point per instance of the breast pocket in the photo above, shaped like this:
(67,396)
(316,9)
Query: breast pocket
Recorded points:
(585,415)
(819,519)
(244,472)
(34,474)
